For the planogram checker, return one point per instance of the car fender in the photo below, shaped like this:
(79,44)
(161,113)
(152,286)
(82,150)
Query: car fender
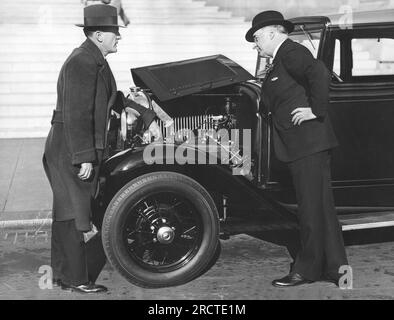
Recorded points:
(129,164)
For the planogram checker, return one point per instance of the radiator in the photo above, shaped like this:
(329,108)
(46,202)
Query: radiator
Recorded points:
(181,127)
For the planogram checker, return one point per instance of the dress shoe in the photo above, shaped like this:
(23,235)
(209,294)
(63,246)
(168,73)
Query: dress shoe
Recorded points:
(85,288)
(291,280)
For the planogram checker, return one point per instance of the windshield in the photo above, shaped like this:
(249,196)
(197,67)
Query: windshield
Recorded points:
(306,34)
(308,38)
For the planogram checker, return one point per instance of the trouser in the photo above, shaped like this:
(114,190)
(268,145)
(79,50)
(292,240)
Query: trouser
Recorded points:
(322,250)
(73,261)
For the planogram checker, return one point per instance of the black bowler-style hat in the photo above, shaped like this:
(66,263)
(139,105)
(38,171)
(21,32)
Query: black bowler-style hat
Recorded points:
(268,18)
(100,15)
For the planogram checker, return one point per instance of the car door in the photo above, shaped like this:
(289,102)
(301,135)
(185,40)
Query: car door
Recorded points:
(362,113)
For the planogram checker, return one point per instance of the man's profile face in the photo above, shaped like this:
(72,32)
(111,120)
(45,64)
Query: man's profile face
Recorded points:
(263,41)
(109,39)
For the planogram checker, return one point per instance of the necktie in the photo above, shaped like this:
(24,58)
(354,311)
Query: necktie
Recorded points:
(267,70)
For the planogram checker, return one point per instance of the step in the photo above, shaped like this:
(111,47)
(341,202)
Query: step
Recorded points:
(181,20)
(367,220)
(151,37)
(75,7)
(59,15)
(32,132)
(20,29)
(77,11)
(126,3)
(123,46)
(18,111)
(17,33)
(25,122)
(28,99)
(18,62)
(26,87)
(124,61)
(33,52)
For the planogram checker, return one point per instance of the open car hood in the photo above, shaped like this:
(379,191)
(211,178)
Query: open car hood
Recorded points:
(177,79)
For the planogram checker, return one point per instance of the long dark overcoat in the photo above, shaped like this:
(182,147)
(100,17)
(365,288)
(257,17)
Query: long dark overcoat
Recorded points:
(86,91)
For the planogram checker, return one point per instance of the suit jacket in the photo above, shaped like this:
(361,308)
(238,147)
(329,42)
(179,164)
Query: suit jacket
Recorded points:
(297,79)
(86,92)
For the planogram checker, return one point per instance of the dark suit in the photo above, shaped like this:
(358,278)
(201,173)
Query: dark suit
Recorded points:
(86,91)
(299,80)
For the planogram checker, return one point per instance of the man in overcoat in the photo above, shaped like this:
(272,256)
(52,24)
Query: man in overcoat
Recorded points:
(296,91)
(75,149)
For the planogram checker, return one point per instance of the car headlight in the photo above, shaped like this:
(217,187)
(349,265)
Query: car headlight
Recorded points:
(128,123)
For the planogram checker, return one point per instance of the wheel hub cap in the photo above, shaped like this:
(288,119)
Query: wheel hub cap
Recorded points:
(165,235)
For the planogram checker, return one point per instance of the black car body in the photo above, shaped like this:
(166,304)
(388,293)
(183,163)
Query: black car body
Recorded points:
(163,219)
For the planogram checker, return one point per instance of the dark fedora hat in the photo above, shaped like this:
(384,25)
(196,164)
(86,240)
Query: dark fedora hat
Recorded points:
(100,15)
(268,18)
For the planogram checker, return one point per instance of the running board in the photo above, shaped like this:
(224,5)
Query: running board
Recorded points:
(367,220)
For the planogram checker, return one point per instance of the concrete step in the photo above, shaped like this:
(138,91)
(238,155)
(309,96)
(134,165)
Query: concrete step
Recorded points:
(31,132)
(77,10)
(26,87)
(25,122)
(124,46)
(32,99)
(20,111)
(153,12)
(38,35)
(126,3)
(33,72)
(144,21)
(62,16)
(15,33)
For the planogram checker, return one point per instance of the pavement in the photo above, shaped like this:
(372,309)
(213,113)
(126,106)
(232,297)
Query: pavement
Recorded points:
(25,193)
(247,265)
(244,271)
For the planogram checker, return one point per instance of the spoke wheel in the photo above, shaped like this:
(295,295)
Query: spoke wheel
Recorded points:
(161,229)
(163,232)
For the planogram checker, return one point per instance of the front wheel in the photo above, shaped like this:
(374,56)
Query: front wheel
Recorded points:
(161,229)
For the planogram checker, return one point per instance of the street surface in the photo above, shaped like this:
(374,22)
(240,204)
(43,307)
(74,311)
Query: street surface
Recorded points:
(245,269)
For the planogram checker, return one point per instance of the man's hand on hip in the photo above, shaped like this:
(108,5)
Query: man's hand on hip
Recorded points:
(86,171)
(302,114)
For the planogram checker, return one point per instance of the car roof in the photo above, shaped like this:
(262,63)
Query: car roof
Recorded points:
(357,18)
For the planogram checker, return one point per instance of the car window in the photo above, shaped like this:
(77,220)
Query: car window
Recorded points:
(373,57)
(337,58)
(363,54)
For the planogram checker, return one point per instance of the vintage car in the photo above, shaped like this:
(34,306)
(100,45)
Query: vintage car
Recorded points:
(166,204)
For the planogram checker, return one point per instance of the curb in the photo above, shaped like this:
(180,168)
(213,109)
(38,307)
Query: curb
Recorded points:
(14,220)
(24,224)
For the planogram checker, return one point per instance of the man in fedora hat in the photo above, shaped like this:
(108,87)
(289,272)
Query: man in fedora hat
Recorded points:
(295,90)
(76,146)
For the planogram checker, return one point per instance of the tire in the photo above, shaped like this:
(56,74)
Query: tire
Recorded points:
(214,259)
(160,230)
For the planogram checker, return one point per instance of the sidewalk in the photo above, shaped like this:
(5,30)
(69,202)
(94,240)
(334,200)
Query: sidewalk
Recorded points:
(25,193)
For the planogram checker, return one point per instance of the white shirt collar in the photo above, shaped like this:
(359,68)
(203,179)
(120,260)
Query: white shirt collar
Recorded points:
(277,49)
